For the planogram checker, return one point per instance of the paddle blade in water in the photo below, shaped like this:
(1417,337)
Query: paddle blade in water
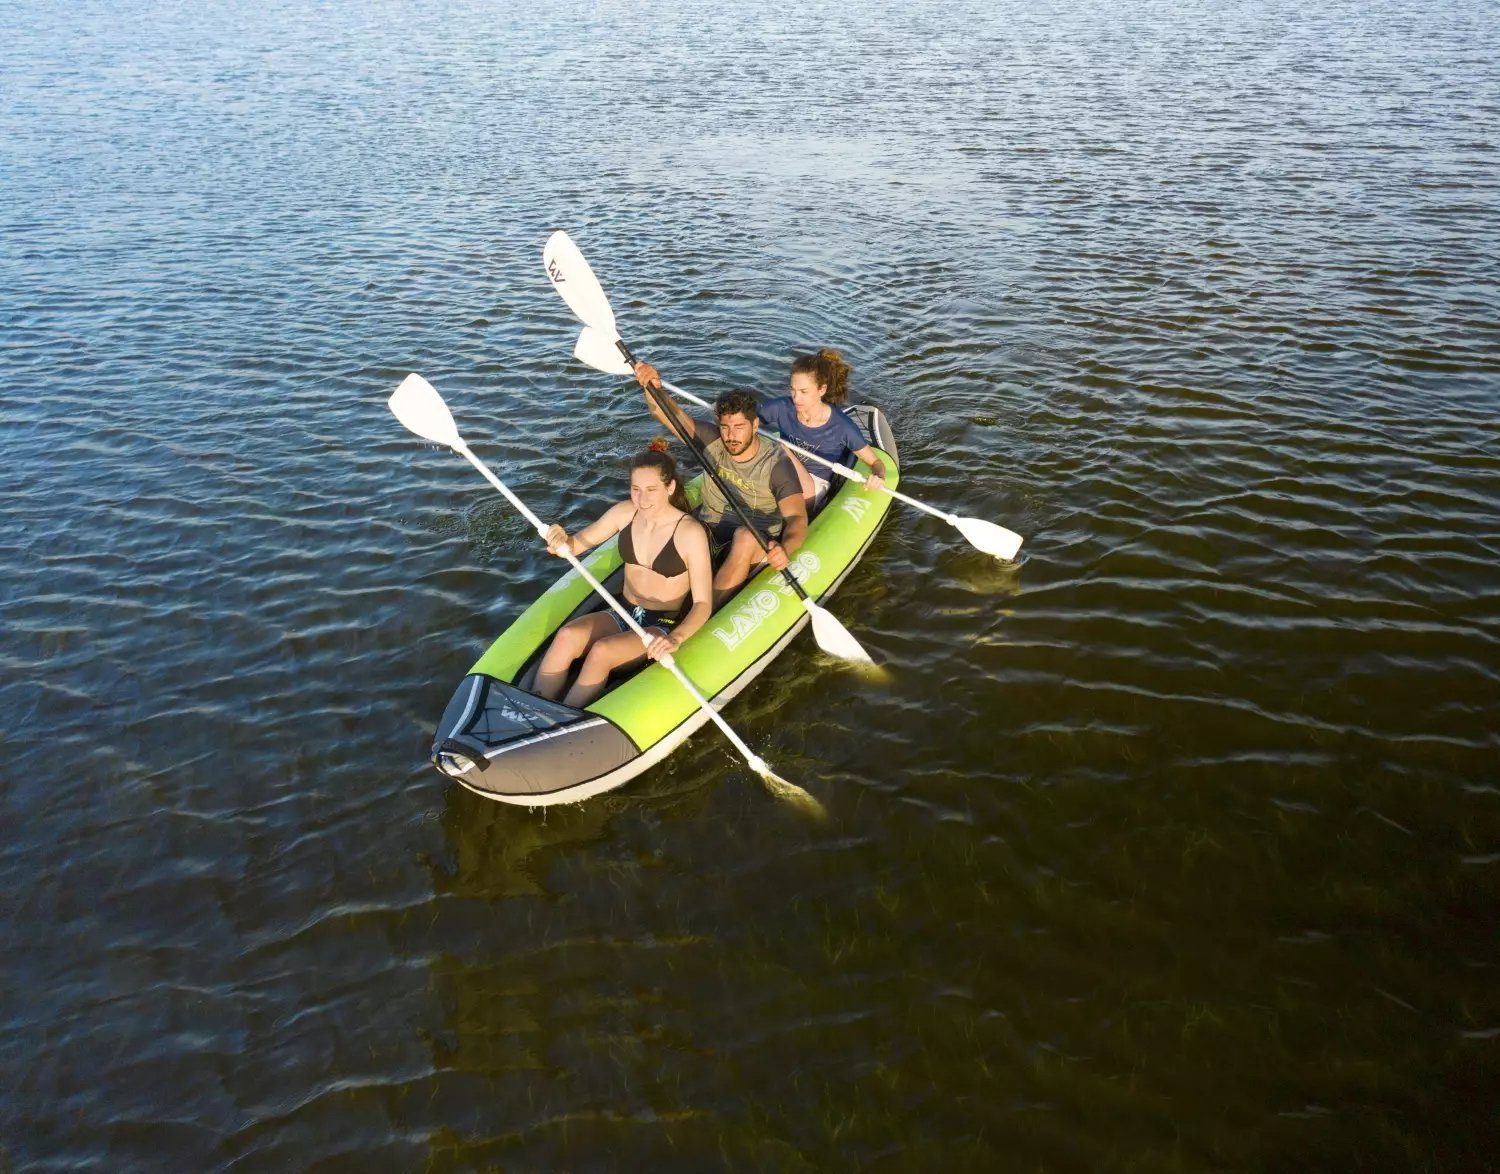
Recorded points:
(418,406)
(990,538)
(789,792)
(575,282)
(832,637)
(597,349)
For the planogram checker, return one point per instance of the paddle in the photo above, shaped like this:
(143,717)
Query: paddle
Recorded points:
(598,350)
(576,284)
(421,409)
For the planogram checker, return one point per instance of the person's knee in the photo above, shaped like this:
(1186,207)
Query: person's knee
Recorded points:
(570,641)
(605,656)
(731,574)
(745,548)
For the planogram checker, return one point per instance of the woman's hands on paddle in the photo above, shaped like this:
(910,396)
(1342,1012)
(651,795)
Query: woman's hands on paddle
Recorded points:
(558,541)
(875,482)
(663,646)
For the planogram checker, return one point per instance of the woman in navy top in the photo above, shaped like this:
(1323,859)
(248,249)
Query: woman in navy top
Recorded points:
(811,418)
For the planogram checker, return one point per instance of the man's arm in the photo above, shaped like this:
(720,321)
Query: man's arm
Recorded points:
(664,408)
(793,509)
(787,490)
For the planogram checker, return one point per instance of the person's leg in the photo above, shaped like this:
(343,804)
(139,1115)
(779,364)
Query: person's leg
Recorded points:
(804,478)
(720,535)
(604,657)
(571,642)
(818,496)
(744,553)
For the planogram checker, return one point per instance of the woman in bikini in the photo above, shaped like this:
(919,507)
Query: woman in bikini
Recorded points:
(666,561)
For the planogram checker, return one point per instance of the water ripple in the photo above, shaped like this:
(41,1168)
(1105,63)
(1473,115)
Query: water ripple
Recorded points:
(1204,312)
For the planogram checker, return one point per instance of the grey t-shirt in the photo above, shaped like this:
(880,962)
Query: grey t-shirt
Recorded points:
(758,483)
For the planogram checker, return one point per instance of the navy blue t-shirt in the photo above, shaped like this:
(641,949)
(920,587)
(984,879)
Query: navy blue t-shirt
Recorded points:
(836,440)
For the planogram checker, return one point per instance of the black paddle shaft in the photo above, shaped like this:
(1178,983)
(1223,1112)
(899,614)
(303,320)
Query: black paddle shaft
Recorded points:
(701,455)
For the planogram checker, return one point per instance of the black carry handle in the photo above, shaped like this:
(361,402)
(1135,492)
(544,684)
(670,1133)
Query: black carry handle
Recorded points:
(699,452)
(451,747)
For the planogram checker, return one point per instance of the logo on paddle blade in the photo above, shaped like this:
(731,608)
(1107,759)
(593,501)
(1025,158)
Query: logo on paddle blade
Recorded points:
(554,271)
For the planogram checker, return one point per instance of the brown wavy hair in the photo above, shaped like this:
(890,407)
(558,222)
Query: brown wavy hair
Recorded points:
(660,459)
(829,369)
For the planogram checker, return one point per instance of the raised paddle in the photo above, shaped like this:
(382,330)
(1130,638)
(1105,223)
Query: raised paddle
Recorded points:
(576,284)
(421,409)
(597,349)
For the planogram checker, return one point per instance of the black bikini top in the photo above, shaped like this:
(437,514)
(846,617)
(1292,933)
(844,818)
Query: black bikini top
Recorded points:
(667,562)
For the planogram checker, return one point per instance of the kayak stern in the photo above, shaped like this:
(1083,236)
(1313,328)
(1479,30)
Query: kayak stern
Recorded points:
(505,743)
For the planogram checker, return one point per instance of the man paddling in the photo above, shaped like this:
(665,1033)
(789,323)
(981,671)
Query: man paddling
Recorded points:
(758,472)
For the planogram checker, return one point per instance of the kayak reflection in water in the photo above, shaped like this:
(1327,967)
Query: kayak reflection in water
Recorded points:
(666,560)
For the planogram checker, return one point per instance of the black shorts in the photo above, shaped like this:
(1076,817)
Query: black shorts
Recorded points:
(721,534)
(662,621)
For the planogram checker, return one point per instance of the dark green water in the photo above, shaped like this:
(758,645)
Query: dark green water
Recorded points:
(1173,847)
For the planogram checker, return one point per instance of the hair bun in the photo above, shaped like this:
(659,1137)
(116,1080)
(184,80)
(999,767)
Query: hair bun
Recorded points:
(658,444)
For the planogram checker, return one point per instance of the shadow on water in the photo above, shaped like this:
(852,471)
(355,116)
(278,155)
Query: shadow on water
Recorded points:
(984,575)
(498,850)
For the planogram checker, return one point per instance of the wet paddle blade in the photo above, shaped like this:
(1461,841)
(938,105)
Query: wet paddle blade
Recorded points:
(575,282)
(597,349)
(990,538)
(788,792)
(418,406)
(832,637)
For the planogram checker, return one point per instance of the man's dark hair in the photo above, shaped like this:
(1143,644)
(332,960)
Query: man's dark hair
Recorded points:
(737,402)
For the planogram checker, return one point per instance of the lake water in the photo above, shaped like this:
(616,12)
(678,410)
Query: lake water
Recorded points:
(1175,846)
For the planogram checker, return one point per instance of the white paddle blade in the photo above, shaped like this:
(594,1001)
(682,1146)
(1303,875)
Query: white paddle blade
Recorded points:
(832,637)
(418,406)
(788,792)
(990,538)
(575,282)
(597,350)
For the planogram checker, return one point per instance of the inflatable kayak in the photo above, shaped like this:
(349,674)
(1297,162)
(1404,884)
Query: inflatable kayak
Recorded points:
(504,742)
